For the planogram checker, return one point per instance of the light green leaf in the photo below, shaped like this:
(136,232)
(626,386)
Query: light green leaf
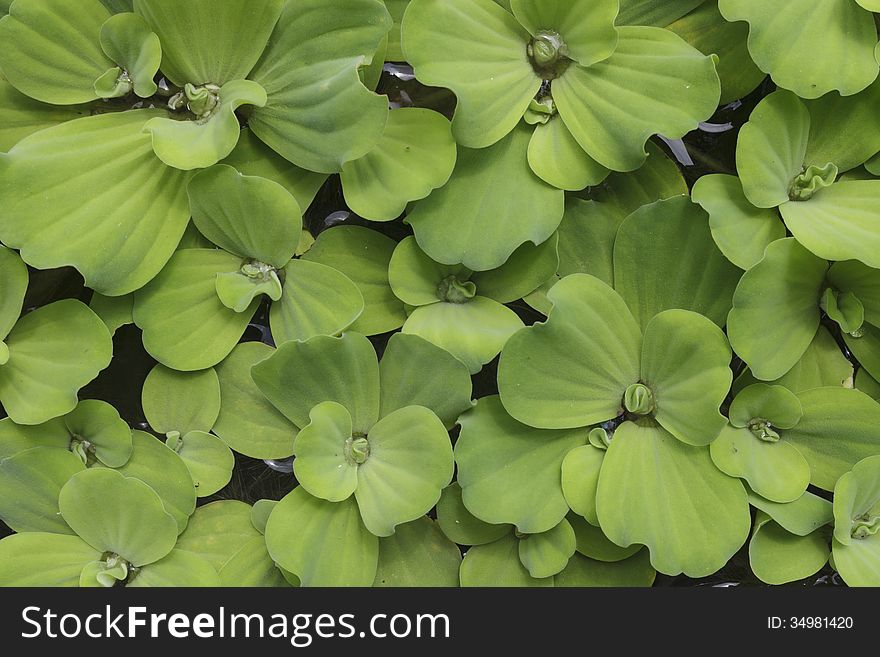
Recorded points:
(685,364)
(200,143)
(667,86)
(217,531)
(53,352)
(413,372)
(558,159)
(323,543)
(325,463)
(497,564)
(181,401)
(415,156)
(838,429)
(207,458)
(186,326)
(664,257)
(206,42)
(841,32)
(451,43)
(128,41)
(866,347)
(839,222)
(252,566)
(867,384)
(115,312)
(526,269)
(38,559)
(416,279)
(585,26)
(363,255)
(460,525)
(21,115)
(509,472)
(572,370)
(586,239)
(859,562)
(165,472)
(651,12)
(300,375)
(777,557)
(842,128)
(97,431)
(785,286)
(118,514)
(633,572)
(14,282)
(260,514)
(316,300)
(771,149)
(491,204)
(772,403)
(740,230)
(801,517)
(474,331)
(52,50)
(580,478)
(248,216)
(655,490)
(319,115)
(29,485)
(138,214)
(774,470)
(863,281)
(409,463)
(418,554)
(178,569)
(247,422)
(547,553)
(856,494)
(15,438)
(592,542)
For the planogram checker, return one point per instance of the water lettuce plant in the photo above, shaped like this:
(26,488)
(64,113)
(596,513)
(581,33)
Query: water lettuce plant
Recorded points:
(437,293)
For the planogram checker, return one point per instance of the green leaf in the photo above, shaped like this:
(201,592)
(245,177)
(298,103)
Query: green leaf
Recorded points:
(181,401)
(838,429)
(247,422)
(685,363)
(866,347)
(138,214)
(774,470)
(319,115)
(96,429)
(707,31)
(14,282)
(651,12)
(547,553)
(474,331)
(413,372)
(585,26)
(21,115)
(418,554)
(632,572)
(128,41)
(248,216)
(177,569)
(409,463)
(415,156)
(115,312)
(856,495)
(655,490)
(842,129)
(165,472)
(859,562)
(840,32)
(52,50)
(526,269)
(863,281)
(29,485)
(460,525)
(201,143)
(491,204)
(207,458)
(252,566)
(363,255)
(667,86)
(839,222)
(218,530)
(664,257)
(592,542)
(185,325)
(53,352)
(580,478)
(38,559)
(771,149)
(785,286)
(586,239)
(15,438)
(316,300)
(300,375)
(741,231)
(777,557)
(509,472)
(324,464)
(774,403)
(558,159)
(323,543)
(867,384)
(118,514)
(415,278)
(206,42)
(560,374)
(801,517)
(451,43)
(497,564)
